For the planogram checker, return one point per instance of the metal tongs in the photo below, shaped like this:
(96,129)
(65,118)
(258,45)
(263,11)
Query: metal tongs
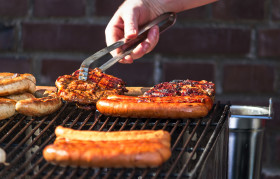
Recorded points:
(164,21)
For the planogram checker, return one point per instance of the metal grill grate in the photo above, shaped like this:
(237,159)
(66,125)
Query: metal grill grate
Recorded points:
(23,138)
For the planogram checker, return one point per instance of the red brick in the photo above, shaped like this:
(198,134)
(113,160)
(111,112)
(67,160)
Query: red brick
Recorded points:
(13,8)
(63,37)
(6,38)
(59,8)
(248,78)
(53,68)
(239,10)
(135,74)
(275,9)
(185,70)
(205,41)
(107,7)
(269,42)
(193,14)
(15,65)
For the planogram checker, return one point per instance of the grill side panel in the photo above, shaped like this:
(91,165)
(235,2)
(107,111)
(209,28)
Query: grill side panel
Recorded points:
(216,164)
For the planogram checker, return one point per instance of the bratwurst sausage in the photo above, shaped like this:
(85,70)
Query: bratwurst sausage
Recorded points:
(155,107)
(126,153)
(21,96)
(39,106)
(7,108)
(18,83)
(152,135)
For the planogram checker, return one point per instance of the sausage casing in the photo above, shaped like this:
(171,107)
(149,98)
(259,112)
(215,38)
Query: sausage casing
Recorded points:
(7,108)
(18,83)
(39,106)
(152,135)
(154,107)
(21,96)
(130,153)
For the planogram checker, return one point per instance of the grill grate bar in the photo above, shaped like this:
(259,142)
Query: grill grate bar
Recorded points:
(104,124)
(97,173)
(134,125)
(85,173)
(114,124)
(132,174)
(176,142)
(123,126)
(72,124)
(96,120)
(62,172)
(12,130)
(73,173)
(52,137)
(145,124)
(23,152)
(44,167)
(40,148)
(86,120)
(181,153)
(27,162)
(49,174)
(195,147)
(7,123)
(120,174)
(155,125)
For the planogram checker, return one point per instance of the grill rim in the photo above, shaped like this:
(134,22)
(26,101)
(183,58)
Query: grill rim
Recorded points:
(146,172)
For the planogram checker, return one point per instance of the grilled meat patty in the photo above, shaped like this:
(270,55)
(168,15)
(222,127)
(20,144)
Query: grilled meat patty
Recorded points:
(182,88)
(98,85)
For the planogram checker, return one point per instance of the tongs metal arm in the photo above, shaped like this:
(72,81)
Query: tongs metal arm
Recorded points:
(164,22)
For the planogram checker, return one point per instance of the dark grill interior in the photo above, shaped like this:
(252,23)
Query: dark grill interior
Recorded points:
(193,140)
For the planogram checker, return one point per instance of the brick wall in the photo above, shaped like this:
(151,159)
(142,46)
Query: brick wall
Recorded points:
(234,43)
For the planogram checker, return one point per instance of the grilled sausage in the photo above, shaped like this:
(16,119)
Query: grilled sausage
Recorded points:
(155,107)
(7,108)
(18,83)
(71,134)
(39,106)
(167,99)
(7,75)
(21,96)
(127,153)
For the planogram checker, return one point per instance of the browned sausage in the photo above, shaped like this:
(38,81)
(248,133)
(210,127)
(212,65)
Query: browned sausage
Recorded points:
(155,135)
(130,153)
(153,107)
(20,96)
(7,108)
(39,106)
(7,75)
(17,83)
(167,99)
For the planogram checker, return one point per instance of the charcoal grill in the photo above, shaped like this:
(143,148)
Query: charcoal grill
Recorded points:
(199,146)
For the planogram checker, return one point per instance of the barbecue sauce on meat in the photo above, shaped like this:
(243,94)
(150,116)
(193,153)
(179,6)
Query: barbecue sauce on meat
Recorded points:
(182,88)
(87,93)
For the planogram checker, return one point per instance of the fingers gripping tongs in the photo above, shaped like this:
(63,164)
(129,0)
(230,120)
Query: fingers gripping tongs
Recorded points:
(164,21)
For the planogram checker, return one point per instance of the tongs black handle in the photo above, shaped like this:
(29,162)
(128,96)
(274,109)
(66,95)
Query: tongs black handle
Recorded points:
(164,21)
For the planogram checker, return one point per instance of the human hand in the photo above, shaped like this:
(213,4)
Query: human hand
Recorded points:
(135,13)
(125,23)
